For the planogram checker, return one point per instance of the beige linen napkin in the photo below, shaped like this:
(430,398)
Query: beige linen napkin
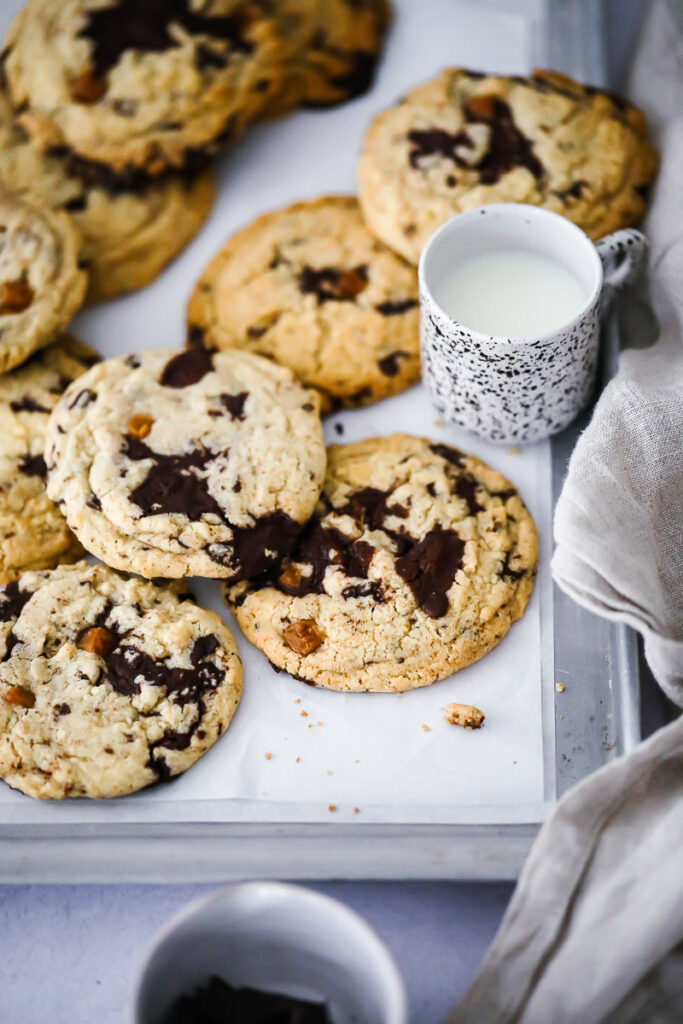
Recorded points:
(594,931)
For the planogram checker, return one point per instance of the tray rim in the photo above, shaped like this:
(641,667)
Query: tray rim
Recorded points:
(568,35)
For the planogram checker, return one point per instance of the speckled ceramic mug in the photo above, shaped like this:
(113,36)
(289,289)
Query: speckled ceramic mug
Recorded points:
(517,390)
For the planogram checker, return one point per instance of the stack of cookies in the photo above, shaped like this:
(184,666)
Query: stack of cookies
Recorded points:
(382,565)
(113,110)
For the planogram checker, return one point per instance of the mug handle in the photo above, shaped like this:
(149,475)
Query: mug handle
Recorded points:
(622,255)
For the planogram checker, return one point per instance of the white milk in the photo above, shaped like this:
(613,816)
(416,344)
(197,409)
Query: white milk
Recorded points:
(510,293)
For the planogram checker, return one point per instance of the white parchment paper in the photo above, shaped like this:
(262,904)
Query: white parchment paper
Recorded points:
(391,756)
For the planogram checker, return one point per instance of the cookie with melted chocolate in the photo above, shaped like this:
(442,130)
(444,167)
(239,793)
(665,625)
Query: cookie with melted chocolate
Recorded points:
(190,463)
(465,139)
(108,683)
(136,86)
(416,563)
(310,287)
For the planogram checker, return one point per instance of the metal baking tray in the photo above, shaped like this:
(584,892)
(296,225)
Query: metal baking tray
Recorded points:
(593,720)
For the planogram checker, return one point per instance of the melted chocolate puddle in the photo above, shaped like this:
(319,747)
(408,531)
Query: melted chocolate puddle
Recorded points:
(144,25)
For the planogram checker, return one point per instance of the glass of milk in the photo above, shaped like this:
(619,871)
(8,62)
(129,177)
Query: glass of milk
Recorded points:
(510,302)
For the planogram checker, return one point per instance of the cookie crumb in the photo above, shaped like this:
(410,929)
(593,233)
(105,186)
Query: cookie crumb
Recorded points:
(513,451)
(319,723)
(329,772)
(559,687)
(298,760)
(438,423)
(304,714)
(356,811)
(465,715)
(425,728)
(268,756)
(332,807)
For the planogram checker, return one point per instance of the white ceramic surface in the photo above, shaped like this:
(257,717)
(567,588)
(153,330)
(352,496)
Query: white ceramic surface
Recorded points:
(281,938)
(512,389)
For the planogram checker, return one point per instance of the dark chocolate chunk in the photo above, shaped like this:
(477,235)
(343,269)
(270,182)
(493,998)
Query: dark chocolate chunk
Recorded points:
(186,368)
(329,284)
(83,399)
(77,204)
(27,404)
(371,589)
(235,404)
(183,685)
(12,600)
(216,1001)
(369,508)
(466,488)
(62,709)
(171,484)
(353,82)
(262,547)
(429,567)
(396,306)
(436,141)
(390,365)
(451,455)
(574,191)
(145,25)
(195,336)
(508,147)
(33,465)
(319,547)
(510,574)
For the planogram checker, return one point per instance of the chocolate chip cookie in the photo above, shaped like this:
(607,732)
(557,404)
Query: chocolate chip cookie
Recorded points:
(33,532)
(42,283)
(108,683)
(467,139)
(128,235)
(311,288)
(416,563)
(187,463)
(141,85)
(341,56)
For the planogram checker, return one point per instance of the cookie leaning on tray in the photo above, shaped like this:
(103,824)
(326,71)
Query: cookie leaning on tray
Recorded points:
(108,683)
(311,288)
(42,282)
(416,563)
(33,532)
(465,139)
(127,235)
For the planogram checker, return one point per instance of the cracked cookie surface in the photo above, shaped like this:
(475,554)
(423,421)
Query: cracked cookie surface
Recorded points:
(127,235)
(33,532)
(141,85)
(416,563)
(107,683)
(41,282)
(191,463)
(311,288)
(466,139)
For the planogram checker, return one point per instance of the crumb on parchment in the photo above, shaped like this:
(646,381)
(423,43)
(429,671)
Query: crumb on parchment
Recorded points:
(465,715)
(268,756)
(559,687)
(332,807)
(425,728)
